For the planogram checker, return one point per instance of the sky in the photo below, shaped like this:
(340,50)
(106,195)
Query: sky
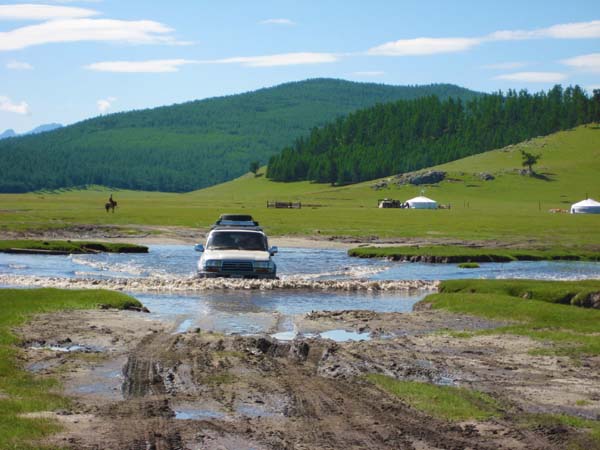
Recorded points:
(67,60)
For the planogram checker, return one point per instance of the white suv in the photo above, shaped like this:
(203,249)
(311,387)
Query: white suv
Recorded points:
(236,249)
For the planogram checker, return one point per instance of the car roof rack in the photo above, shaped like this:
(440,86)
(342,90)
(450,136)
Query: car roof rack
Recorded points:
(236,220)
(236,226)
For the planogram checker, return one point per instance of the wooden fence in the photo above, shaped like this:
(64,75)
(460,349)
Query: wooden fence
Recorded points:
(288,205)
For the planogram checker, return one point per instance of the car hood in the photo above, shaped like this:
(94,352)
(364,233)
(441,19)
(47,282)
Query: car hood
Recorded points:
(239,255)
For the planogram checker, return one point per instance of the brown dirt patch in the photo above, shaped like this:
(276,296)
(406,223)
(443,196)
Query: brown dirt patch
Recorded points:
(205,390)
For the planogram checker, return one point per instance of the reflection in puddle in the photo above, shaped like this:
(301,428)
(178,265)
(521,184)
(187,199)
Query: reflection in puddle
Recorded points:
(198,414)
(285,335)
(333,335)
(104,380)
(66,348)
(344,336)
(184,326)
(255,411)
(256,312)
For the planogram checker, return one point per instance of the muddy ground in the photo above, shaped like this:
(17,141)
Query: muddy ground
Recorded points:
(148,235)
(137,385)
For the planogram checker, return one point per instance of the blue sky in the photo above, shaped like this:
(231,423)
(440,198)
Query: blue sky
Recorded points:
(66,60)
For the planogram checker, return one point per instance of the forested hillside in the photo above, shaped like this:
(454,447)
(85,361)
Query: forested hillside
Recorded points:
(192,145)
(412,134)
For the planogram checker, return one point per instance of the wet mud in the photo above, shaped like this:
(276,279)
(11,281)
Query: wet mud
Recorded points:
(203,390)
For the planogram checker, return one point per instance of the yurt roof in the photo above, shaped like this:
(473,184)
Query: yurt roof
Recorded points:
(421,199)
(587,202)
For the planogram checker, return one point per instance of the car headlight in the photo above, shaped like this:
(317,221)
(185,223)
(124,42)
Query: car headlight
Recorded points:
(211,265)
(264,266)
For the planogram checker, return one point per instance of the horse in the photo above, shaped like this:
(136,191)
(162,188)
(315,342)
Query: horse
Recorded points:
(110,205)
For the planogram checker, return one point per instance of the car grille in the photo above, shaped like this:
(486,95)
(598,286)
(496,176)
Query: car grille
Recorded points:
(237,266)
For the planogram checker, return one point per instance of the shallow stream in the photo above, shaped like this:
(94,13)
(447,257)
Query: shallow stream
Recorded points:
(244,310)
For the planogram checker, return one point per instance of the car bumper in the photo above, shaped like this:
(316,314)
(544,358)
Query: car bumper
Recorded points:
(245,275)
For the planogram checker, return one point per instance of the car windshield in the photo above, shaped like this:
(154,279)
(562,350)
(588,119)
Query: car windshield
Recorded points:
(233,240)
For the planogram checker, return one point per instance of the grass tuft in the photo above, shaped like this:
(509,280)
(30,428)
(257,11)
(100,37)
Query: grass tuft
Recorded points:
(444,402)
(69,247)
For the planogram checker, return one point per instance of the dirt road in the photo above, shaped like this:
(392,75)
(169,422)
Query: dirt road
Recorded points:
(136,385)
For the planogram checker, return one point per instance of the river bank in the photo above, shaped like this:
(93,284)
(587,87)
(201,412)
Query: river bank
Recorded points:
(200,389)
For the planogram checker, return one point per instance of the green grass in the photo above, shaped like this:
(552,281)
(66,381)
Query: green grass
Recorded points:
(568,330)
(457,254)
(468,265)
(71,246)
(22,392)
(511,208)
(444,402)
(564,292)
(591,428)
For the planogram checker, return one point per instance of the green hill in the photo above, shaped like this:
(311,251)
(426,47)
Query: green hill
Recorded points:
(191,145)
(511,208)
(409,135)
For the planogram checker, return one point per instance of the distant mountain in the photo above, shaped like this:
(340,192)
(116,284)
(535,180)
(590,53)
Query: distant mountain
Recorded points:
(8,134)
(191,145)
(41,129)
(44,128)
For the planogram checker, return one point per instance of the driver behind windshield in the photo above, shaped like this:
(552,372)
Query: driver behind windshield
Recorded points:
(237,241)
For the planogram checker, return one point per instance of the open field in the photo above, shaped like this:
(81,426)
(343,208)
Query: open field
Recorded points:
(511,208)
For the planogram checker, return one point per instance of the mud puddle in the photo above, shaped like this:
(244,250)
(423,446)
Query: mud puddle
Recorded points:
(332,335)
(198,389)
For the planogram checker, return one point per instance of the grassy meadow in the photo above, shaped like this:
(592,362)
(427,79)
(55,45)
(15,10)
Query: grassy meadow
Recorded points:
(510,208)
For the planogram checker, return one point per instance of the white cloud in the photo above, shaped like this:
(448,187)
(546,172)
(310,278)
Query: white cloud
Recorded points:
(592,88)
(506,65)
(105,104)
(75,30)
(150,66)
(577,30)
(585,63)
(424,46)
(277,22)
(533,77)
(7,105)
(431,46)
(43,12)
(76,1)
(173,65)
(369,73)
(18,65)
(283,59)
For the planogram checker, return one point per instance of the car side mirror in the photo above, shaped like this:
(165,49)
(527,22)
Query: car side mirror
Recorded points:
(273,250)
(199,247)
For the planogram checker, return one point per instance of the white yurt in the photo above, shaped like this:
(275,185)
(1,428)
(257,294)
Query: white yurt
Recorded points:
(422,203)
(587,206)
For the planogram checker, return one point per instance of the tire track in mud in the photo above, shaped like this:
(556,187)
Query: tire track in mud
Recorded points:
(319,412)
(155,284)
